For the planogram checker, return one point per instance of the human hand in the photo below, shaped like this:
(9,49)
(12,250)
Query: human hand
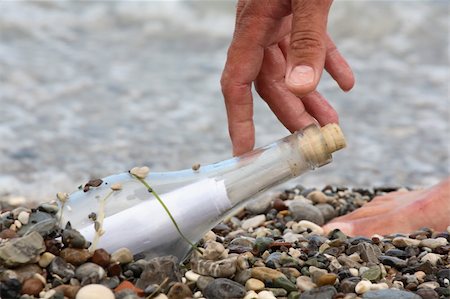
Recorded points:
(282,47)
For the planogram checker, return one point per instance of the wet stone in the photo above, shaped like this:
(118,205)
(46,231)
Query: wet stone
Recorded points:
(427,294)
(61,268)
(90,272)
(304,211)
(157,270)
(241,245)
(224,288)
(390,294)
(41,222)
(22,250)
(325,292)
(101,257)
(179,291)
(392,261)
(73,238)
(75,256)
(10,288)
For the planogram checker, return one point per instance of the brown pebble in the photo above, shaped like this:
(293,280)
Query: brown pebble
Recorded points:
(75,256)
(53,246)
(179,291)
(7,234)
(101,257)
(114,269)
(327,279)
(279,205)
(32,286)
(69,291)
(92,183)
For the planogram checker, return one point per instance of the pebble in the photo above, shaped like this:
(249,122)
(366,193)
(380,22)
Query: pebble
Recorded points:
(317,197)
(433,258)
(314,228)
(213,251)
(363,286)
(72,238)
(266,295)
(32,286)
(69,291)
(251,295)
(427,294)
(22,250)
(304,283)
(95,291)
(159,269)
(253,222)
(221,268)
(224,288)
(192,276)
(325,292)
(304,211)
(61,268)
(434,243)
(90,271)
(428,285)
(46,259)
(75,256)
(327,210)
(130,288)
(23,217)
(259,205)
(390,294)
(254,284)
(140,172)
(179,291)
(101,257)
(327,279)
(122,256)
(405,242)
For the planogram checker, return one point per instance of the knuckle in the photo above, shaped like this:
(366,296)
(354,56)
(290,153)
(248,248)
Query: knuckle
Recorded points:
(307,41)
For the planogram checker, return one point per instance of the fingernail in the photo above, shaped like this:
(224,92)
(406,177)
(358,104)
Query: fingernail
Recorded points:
(301,75)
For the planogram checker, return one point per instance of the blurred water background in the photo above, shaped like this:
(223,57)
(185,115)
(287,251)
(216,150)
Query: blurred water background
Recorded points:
(89,89)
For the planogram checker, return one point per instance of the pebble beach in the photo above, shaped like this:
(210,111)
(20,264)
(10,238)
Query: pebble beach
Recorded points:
(91,89)
(272,248)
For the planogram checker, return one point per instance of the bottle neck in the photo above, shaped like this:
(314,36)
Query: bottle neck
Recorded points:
(266,167)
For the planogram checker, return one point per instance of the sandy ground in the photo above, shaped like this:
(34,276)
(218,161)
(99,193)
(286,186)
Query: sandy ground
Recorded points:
(94,88)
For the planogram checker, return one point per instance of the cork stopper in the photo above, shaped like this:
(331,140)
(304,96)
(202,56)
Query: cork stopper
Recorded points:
(318,144)
(334,138)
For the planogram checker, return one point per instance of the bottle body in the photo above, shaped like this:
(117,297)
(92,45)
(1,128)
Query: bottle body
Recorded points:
(197,199)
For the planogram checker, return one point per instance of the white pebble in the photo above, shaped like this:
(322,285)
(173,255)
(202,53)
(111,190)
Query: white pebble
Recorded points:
(448,229)
(16,201)
(398,285)
(433,258)
(404,242)
(18,224)
(363,286)
(183,280)
(428,285)
(291,237)
(420,275)
(13,227)
(161,296)
(434,243)
(304,283)
(198,294)
(266,295)
(251,295)
(354,271)
(312,226)
(192,276)
(253,222)
(379,286)
(140,172)
(40,277)
(23,217)
(294,252)
(94,291)
(51,293)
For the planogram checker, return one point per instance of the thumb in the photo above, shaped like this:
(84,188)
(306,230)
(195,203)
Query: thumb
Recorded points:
(307,50)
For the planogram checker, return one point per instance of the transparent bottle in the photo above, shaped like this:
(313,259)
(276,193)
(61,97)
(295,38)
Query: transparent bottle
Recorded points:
(197,199)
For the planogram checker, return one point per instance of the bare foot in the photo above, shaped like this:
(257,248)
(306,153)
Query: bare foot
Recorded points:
(399,212)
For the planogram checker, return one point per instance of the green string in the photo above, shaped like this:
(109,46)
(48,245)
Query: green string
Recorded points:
(150,189)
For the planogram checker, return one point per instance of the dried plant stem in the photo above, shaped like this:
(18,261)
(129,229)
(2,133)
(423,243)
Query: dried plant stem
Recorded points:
(150,189)
(99,222)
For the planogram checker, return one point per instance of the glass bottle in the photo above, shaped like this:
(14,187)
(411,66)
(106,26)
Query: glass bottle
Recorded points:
(197,199)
